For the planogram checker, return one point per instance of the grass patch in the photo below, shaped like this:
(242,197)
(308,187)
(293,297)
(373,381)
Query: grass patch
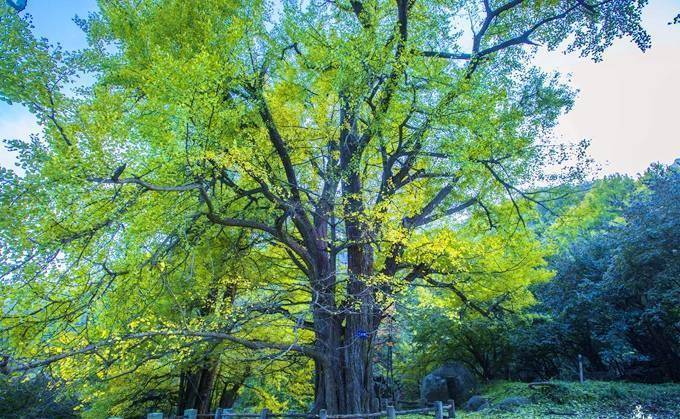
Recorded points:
(593,399)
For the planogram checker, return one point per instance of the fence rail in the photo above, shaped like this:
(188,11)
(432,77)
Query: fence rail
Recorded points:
(440,409)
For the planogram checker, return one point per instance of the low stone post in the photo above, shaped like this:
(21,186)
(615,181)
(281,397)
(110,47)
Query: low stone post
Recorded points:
(323,414)
(190,414)
(452,408)
(438,410)
(154,415)
(264,413)
(391,413)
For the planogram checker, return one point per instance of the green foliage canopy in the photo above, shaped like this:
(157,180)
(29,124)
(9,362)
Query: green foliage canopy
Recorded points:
(272,176)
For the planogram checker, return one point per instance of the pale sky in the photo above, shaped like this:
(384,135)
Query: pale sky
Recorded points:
(628,104)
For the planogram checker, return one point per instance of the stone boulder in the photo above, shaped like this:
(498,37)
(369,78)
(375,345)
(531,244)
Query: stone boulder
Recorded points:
(451,381)
(475,404)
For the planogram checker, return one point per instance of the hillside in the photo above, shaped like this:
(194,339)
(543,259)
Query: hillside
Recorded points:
(593,399)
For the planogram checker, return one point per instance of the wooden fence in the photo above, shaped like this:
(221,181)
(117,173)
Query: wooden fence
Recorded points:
(440,410)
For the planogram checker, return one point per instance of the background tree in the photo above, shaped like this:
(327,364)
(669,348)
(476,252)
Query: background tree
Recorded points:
(641,285)
(610,298)
(36,396)
(362,149)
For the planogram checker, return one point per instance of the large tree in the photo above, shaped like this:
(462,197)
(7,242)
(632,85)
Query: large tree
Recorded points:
(361,148)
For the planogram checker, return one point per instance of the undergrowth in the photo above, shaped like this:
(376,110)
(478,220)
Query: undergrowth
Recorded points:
(593,399)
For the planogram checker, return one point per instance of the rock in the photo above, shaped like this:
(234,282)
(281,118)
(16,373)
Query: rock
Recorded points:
(433,388)
(451,381)
(475,404)
(512,402)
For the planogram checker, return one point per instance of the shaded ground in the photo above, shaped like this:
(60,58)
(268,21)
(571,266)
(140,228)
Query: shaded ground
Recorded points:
(593,399)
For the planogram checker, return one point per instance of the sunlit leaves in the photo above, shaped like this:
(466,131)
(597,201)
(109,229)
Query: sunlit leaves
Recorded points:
(212,175)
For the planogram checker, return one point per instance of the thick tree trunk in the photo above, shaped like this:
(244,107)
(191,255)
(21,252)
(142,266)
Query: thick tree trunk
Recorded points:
(344,379)
(327,329)
(345,334)
(196,389)
(229,394)
(361,325)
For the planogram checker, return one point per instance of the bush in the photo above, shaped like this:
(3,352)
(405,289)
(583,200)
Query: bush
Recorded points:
(35,397)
